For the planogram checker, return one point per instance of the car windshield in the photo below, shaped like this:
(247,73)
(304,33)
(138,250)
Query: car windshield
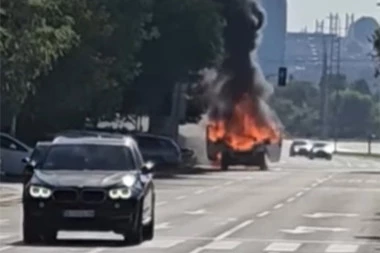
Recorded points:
(319,145)
(88,157)
(298,143)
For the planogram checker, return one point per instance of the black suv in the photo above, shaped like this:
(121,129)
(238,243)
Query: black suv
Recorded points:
(89,183)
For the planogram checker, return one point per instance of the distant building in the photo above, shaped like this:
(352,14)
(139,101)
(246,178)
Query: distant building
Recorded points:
(271,53)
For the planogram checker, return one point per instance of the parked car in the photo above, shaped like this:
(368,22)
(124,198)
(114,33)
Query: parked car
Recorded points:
(91,184)
(300,148)
(163,151)
(321,150)
(11,154)
(36,155)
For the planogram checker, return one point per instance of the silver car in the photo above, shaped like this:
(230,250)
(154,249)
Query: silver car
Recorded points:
(12,153)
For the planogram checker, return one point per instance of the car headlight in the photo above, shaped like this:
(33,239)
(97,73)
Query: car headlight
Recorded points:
(129,180)
(39,192)
(121,193)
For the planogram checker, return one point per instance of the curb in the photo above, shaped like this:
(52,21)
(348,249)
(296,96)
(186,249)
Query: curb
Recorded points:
(358,154)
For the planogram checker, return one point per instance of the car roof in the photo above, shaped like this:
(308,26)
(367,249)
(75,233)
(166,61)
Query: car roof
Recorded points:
(43,143)
(125,141)
(87,133)
(153,136)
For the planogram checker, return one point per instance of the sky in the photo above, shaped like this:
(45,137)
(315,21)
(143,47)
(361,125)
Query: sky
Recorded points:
(303,13)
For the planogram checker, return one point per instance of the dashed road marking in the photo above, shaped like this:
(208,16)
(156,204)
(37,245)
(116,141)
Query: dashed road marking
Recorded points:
(161,203)
(299,194)
(161,244)
(199,191)
(278,206)
(222,245)
(96,250)
(181,197)
(282,247)
(342,248)
(196,212)
(4,248)
(233,230)
(263,214)
(314,185)
(228,183)
(290,199)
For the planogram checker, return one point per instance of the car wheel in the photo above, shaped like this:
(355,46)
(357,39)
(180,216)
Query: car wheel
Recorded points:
(262,162)
(329,157)
(135,236)
(224,161)
(30,233)
(148,229)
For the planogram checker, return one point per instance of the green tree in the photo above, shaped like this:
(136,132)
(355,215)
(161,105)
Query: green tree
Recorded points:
(89,80)
(34,34)
(297,106)
(355,113)
(376,44)
(189,39)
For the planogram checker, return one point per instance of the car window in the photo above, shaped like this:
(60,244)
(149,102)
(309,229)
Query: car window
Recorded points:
(38,153)
(88,157)
(299,143)
(319,145)
(9,144)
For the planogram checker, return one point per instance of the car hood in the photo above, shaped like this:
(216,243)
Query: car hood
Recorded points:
(67,178)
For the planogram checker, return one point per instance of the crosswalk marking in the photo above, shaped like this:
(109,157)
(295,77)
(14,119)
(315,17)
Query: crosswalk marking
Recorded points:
(282,247)
(161,244)
(222,245)
(342,248)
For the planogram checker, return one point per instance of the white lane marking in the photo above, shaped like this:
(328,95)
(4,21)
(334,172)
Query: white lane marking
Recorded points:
(196,212)
(371,181)
(6,236)
(314,185)
(307,189)
(290,199)
(161,226)
(6,248)
(278,206)
(299,194)
(342,248)
(308,230)
(10,199)
(270,240)
(233,230)
(161,244)
(282,247)
(199,191)
(228,183)
(161,203)
(328,215)
(263,214)
(181,197)
(96,250)
(219,245)
(4,221)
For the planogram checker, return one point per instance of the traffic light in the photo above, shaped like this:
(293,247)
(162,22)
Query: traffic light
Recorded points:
(282,76)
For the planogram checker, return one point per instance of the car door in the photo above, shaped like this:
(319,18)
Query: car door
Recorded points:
(12,153)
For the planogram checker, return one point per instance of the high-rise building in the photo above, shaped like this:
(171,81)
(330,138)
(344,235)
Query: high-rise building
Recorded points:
(271,53)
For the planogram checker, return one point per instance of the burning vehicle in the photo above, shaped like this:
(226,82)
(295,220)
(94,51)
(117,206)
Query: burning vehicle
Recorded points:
(245,142)
(242,129)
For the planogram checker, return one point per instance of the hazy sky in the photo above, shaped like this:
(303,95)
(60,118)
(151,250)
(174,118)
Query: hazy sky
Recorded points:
(303,13)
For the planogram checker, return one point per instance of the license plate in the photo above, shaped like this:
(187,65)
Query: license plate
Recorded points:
(79,213)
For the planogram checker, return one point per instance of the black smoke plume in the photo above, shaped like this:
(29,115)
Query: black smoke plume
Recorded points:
(238,75)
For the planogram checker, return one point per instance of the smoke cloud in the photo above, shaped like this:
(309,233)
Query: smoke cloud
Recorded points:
(239,76)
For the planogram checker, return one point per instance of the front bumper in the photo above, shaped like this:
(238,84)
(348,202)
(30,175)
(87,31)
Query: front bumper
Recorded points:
(250,157)
(108,216)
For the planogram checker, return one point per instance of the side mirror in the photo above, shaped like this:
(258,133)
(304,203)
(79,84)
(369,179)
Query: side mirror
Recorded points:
(148,167)
(25,160)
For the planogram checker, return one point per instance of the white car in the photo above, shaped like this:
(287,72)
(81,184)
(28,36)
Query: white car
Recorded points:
(300,148)
(12,153)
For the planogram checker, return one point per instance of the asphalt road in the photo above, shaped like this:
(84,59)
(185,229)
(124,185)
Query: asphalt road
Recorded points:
(297,206)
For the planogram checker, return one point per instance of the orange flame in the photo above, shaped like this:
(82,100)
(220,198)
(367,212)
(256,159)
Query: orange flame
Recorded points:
(244,131)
